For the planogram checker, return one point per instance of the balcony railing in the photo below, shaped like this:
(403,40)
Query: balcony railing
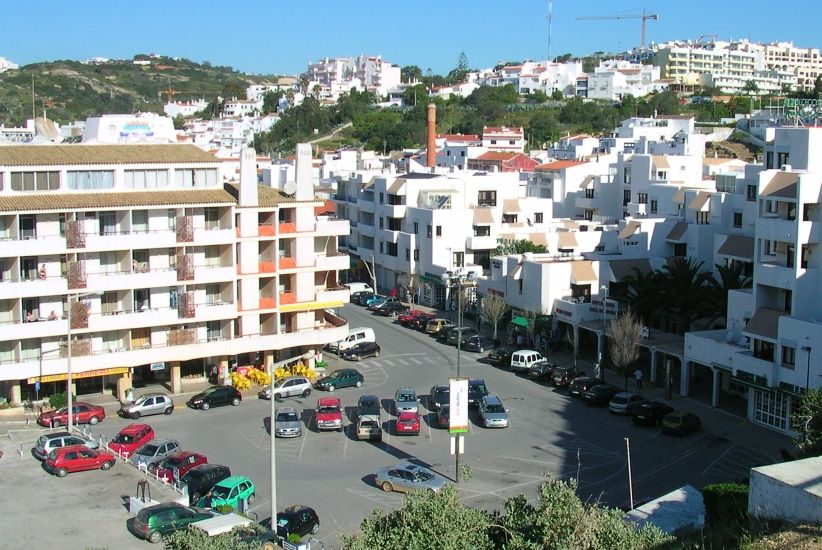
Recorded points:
(75,235)
(185,267)
(180,337)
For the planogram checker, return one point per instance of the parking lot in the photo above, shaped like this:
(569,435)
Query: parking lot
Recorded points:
(549,433)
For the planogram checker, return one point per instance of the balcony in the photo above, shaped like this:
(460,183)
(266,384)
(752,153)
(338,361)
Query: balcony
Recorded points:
(41,328)
(12,289)
(34,246)
(394,210)
(333,295)
(185,229)
(180,337)
(213,273)
(213,234)
(486,242)
(776,275)
(286,228)
(129,240)
(329,227)
(332,262)
(637,210)
(129,319)
(777,229)
(570,310)
(366,206)
(116,280)
(585,202)
(287,298)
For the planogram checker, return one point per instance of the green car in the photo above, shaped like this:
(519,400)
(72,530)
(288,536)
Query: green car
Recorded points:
(229,491)
(152,522)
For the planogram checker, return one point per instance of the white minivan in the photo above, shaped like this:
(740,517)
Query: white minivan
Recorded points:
(524,358)
(355,336)
(359,287)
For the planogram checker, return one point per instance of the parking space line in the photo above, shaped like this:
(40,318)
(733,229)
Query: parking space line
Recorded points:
(720,457)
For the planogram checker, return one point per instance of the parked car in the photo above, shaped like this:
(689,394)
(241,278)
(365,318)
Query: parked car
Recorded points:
(521,360)
(340,378)
(287,387)
(444,416)
(77,458)
(408,423)
(374,298)
(459,334)
(83,413)
(152,522)
(492,412)
(542,370)
(650,413)
(680,423)
(563,376)
(381,302)
(154,451)
(216,396)
(478,343)
(410,315)
(625,402)
(435,325)
(361,351)
(392,309)
(501,357)
(131,438)
(148,404)
(369,427)
(600,394)
(420,322)
(476,391)
(287,423)
(176,465)
(357,287)
(229,492)
(368,405)
(200,479)
(300,520)
(405,477)
(48,442)
(360,298)
(329,414)
(582,384)
(405,399)
(440,395)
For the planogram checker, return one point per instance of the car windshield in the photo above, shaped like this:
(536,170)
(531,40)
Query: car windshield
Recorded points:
(140,400)
(282,521)
(495,408)
(170,463)
(220,491)
(619,400)
(326,409)
(287,417)
(123,438)
(279,383)
(208,391)
(194,475)
(147,450)
(336,374)
(478,387)
(403,397)
(424,475)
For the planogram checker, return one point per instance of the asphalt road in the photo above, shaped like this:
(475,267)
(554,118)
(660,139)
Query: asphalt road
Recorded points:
(549,433)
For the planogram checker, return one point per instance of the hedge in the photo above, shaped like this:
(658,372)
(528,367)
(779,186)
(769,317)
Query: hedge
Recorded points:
(726,505)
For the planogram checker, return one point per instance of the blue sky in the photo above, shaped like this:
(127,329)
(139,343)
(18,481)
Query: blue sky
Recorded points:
(279,36)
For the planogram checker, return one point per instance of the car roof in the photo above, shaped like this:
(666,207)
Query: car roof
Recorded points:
(154,394)
(526,351)
(230,481)
(55,435)
(162,441)
(441,387)
(492,400)
(286,410)
(405,390)
(207,466)
(293,377)
(71,448)
(408,466)
(476,381)
(134,427)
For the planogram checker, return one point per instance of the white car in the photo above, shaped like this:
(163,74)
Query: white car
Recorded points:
(288,387)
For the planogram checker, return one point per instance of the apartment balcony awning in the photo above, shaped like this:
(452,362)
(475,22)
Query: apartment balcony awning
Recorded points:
(397,186)
(538,238)
(765,323)
(587,182)
(567,239)
(484,216)
(629,229)
(660,162)
(510,206)
(739,247)
(677,232)
(368,184)
(782,185)
(582,272)
(621,269)
(700,201)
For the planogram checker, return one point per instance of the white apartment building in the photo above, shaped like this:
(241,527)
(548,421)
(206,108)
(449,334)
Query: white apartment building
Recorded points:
(614,79)
(770,351)
(148,263)
(364,72)
(6,65)
(576,147)
(184,108)
(242,107)
(503,138)
(136,128)
(535,76)
(805,64)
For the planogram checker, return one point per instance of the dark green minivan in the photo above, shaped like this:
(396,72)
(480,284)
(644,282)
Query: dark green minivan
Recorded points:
(152,522)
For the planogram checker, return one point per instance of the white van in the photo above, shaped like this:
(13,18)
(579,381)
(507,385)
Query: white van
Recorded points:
(355,336)
(524,358)
(359,287)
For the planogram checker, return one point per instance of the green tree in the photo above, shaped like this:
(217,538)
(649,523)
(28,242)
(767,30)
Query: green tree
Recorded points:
(233,89)
(271,101)
(410,73)
(520,247)
(415,94)
(807,423)
(751,87)
(542,128)
(193,538)
(727,278)
(817,87)
(179,121)
(556,95)
(643,294)
(684,291)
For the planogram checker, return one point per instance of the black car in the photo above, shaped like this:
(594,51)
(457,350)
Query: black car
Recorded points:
(541,370)
(200,479)
(600,394)
(300,520)
(651,413)
(215,396)
(563,376)
(478,343)
(368,405)
(361,351)
(476,391)
(440,395)
(340,378)
(501,356)
(392,309)
(580,385)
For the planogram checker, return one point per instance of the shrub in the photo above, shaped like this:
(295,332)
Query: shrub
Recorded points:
(294,538)
(59,400)
(224,508)
(726,505)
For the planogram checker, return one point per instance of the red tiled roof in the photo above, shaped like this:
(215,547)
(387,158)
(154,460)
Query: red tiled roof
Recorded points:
(459,137)
(559,165)
(328,207)
(498,155)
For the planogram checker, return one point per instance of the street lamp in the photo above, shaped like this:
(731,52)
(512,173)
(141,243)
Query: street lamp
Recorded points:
(604,291)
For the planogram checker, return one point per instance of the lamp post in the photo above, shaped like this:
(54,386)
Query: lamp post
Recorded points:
(604,291)
(272,427)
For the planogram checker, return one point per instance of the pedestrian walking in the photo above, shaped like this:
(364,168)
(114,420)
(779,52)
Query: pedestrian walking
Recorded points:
(638,376)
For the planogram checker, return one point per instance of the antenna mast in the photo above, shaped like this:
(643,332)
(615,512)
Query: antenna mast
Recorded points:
(33,112)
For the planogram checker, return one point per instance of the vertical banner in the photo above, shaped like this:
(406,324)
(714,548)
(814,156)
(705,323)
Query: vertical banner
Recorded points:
(458,404)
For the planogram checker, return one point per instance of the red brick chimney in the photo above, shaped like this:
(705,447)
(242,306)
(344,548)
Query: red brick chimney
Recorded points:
(432,136)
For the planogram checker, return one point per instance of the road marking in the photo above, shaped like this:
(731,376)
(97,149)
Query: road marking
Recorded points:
(725,452)
(403,355)
(416,361)
(403,362)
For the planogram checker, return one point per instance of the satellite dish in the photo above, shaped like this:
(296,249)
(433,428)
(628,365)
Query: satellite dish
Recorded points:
(290,187)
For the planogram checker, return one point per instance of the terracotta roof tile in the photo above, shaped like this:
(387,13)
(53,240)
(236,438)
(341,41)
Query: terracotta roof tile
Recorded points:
(559,165)
(56,155)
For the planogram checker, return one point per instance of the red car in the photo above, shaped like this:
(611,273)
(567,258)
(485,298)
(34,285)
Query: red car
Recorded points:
(177,465)
(408,422)
(83,414)
(408,316)
(329,414)
(77,458)
(131,438)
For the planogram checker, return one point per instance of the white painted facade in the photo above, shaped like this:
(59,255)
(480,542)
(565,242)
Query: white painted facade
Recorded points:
(126,129)
(184,108)
(341,74)
(615,79)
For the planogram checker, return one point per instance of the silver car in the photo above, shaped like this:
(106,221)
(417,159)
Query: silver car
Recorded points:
(287,387)
(49,442)
(148,404)
(492,412)
(405,400)
(287,423)
(405,477)
(625,402)
(154,451)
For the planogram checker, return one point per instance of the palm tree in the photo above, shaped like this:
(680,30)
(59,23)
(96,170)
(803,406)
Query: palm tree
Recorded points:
(684,291)
(731,277)
(643,294)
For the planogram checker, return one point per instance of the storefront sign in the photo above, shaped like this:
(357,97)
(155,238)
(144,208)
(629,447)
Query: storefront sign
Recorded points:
(76,375)
(158,366)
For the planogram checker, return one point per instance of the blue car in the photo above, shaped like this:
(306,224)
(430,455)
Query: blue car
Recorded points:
(375,298)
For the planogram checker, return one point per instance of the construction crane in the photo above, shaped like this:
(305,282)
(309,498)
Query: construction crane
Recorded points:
(644,16)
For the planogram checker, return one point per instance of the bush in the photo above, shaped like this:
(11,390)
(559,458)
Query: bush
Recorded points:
(224,509)
(59,400)
(726,505)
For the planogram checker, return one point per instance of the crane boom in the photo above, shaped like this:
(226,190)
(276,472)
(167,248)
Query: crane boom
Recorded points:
(644,16)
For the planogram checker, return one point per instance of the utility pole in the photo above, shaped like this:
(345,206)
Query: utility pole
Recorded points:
(630,481)
(550,22)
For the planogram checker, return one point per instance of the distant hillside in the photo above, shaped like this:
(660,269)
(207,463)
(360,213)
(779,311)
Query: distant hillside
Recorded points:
(70,90)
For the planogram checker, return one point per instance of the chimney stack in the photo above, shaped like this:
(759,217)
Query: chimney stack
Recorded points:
(432,136)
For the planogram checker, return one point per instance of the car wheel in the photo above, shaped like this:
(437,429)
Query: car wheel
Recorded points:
(251,498)
(235,401)
(377,353)
(386,487)
(269,545)
(93,420)
(56,423)
(62,472)
(205,406)
(135,415)
(482,349)
(278,397)
(331,388)
(315,529)
(106,465)
(359,383)
(307,392)
(355,357)
(154,537)
(168,411)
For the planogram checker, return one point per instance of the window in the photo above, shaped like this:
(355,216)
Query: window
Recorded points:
(519,286)
(407,253)
(626,175)
(382,198)
(512,142)
(487,198)
(790,255)
(416,254)
(392,249)
(429,231)
(771,408)
(141,299)
(788,357)
(654,206)
(493,142)
(737,219)
(763,350)
(439,231)
(482,231)
(599,248)
(751,193)
(806,252)
(200,177)
(28,226)
(381,222)
(626,197)
(145,179)
(769,160)
(589,193)
(212,218)
(781,160)
(97,179)
(791,211)
(642,198)
(537,217)
(380,247)
(702,217)
(806,212)
(458,259)
(139,221)
(416,228)
(509,218)
(35,181)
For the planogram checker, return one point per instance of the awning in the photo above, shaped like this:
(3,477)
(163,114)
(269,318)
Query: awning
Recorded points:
(569,224)
(538,238)
(738,246)
(431,280)
(679,196)
(370,183)
(582,272)
(520,322)
(699,202)
(783,185)
(567,239)
(587,182)
(483,216)
(629,229)
(677,232)
(765,323)
(620,269)
(397,186)
(510,206)
(660,162)
(85,374)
